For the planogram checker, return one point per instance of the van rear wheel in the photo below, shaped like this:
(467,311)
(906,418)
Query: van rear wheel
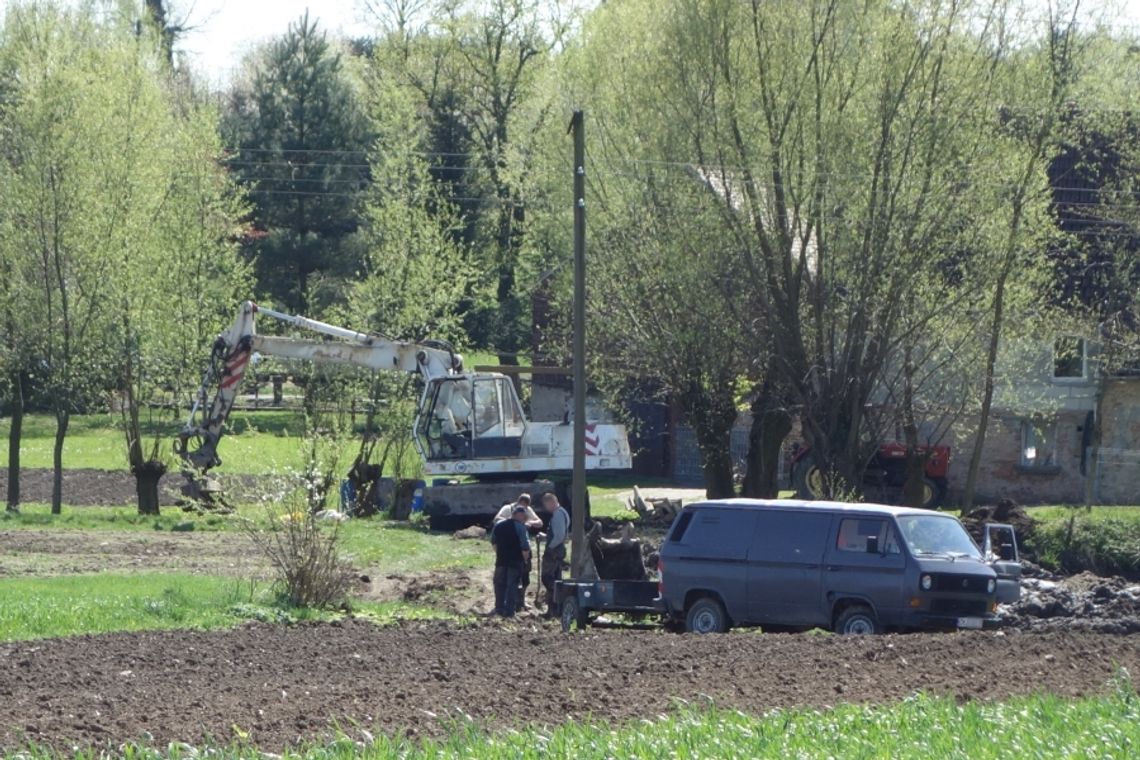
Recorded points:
(857,620)
(706,615)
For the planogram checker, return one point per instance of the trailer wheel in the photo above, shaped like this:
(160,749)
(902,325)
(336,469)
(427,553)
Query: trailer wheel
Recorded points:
(573,616)
(706,616)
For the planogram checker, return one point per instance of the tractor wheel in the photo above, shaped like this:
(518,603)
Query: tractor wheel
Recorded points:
(808,479)
(857,619)
(707,615)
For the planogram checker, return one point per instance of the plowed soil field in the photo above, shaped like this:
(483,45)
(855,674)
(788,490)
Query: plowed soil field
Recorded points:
(275,686)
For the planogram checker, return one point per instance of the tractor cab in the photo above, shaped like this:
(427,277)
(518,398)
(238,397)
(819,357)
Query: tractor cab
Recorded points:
(474,416)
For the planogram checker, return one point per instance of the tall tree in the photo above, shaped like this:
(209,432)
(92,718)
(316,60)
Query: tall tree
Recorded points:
(846,151)
(111,180)
(301,135)
(476,70)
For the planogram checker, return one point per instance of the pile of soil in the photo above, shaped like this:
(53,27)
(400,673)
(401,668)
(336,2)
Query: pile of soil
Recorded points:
(274,686)
(1083,602)
(1005,511)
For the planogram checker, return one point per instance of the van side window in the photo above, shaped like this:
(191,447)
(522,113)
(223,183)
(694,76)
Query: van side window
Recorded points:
(681,526)
(790,537)
(854,532)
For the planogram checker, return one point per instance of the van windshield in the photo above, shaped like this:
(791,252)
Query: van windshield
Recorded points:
(926,535)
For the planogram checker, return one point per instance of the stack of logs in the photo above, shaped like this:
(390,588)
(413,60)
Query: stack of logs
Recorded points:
(653,510)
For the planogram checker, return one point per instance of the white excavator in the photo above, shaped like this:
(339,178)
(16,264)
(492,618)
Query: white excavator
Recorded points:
(468,425)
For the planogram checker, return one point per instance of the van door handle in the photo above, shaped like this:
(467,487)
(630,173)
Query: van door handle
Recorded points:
(834,567)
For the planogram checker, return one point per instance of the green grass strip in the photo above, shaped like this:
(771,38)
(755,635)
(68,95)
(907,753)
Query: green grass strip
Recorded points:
(32,608)
(921,727)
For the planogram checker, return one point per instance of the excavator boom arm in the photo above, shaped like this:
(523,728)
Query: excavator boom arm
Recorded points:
(232,351)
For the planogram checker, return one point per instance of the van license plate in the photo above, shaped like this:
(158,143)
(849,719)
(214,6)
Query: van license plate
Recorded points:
(970,622)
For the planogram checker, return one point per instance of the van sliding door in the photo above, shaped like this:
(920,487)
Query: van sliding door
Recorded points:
(785,568)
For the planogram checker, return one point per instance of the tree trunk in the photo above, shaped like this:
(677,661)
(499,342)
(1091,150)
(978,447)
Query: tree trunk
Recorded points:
(771,424)
(713,441)
(62,421)
(15,431)
(914,485)
(146,485)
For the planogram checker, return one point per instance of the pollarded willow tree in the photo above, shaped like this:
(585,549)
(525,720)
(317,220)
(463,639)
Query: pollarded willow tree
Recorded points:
(854,160)
(118,208)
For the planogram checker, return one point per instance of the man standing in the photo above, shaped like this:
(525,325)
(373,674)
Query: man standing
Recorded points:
(533,524)
(533,521)
(558,531)
(512,553)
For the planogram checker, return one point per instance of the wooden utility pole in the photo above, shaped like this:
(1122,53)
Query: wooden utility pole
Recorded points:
(578,495)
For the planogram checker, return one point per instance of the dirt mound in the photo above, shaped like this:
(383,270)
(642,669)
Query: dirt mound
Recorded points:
(1005,511)
(1083,602)
(279,685)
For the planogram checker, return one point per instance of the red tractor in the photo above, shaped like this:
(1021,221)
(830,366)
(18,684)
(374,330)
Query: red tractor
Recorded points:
(884,477)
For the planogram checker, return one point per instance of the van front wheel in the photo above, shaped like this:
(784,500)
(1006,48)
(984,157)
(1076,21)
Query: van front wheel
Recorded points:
(706,616)
(857,620)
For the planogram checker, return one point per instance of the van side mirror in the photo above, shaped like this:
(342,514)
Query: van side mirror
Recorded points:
(872,544)
(1006,552)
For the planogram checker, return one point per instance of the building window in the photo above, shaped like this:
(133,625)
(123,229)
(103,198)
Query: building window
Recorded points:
(1038,444)
(1070,361)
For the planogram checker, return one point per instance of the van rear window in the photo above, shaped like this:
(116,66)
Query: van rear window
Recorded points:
(681,526)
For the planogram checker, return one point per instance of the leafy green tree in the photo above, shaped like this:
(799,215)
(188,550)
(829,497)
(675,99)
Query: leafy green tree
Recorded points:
(58,219)
(414,275)
(301,135)
(476,70)
(847,155)
(118,196)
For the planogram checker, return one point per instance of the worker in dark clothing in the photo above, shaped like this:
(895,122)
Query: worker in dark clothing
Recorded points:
(512,554)
(558,534)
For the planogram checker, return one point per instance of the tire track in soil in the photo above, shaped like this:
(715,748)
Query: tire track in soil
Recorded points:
(281,685)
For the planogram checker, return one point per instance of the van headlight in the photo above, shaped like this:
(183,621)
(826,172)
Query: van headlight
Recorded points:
(990,586)
(927,582)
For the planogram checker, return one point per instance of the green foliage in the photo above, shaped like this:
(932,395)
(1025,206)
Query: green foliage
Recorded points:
(301,135)
(919,727)
(86,604)
(305,554)
(1105,541)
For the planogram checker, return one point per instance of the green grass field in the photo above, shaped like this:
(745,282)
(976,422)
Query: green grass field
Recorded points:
(921,727)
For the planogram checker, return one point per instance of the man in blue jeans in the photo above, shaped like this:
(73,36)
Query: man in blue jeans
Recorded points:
(512,554)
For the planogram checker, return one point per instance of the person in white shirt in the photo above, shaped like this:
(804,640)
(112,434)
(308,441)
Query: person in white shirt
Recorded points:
(533,521)
(558,533)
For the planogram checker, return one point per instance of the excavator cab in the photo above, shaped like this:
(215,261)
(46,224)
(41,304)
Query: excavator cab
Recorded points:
(474,416)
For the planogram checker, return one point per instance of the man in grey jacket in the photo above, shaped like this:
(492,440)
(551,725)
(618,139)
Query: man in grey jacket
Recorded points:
(558,532)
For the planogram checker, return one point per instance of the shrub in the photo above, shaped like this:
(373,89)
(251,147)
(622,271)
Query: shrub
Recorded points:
(304,550)
(1080,541)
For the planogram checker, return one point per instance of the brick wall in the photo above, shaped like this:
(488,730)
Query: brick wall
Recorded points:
(1001,473)
(1118,473)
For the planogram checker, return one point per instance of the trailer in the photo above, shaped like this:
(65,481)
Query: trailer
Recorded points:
(581,600)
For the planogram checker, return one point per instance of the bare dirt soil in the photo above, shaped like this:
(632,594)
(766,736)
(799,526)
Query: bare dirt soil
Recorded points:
(89,487)
(275,686)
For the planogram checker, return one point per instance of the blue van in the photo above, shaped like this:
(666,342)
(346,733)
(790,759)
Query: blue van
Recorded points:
(851,568)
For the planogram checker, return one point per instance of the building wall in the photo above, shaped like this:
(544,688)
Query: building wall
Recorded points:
(1002,474)
(1118,471)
